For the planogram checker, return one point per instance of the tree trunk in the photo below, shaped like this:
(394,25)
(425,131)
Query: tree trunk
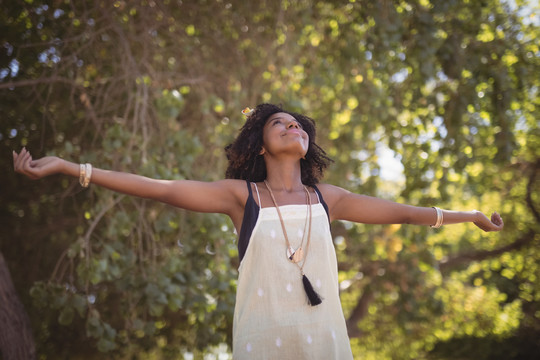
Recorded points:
(16,340)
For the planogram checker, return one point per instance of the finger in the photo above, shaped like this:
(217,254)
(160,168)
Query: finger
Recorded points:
(25,160)
(19,160)
(500,223)
(497,222)
(26,168)
(496,219)
(15,160)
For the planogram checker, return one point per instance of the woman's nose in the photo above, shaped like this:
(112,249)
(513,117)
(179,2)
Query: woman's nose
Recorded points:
(293,123)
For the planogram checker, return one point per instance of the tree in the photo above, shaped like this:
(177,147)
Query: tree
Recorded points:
(447,88)
(16,339)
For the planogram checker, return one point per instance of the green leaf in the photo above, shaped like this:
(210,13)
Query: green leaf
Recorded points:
(66,316)
(105,345)
(94,328)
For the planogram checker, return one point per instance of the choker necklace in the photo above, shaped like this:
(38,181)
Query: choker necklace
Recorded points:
(298,255)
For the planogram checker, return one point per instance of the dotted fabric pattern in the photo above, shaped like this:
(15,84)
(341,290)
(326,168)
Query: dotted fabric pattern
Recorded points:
(272,318)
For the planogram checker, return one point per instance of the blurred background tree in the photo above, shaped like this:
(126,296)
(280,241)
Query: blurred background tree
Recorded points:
(423,102)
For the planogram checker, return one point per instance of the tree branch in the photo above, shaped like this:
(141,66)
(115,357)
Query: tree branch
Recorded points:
(359,311)
(460,259)
(32,82)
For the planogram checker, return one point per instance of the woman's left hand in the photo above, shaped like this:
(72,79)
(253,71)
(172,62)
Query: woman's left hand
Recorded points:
(495,224)
(36,169)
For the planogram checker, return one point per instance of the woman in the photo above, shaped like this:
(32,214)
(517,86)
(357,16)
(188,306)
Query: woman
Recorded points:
(287,301)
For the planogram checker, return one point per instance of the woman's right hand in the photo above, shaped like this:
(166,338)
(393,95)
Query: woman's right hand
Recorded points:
(36,169)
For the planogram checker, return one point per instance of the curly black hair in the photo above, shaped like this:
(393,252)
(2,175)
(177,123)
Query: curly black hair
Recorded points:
(245,161)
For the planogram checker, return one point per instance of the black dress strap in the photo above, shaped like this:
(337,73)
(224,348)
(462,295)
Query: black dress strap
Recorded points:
(251,214)
(321,199)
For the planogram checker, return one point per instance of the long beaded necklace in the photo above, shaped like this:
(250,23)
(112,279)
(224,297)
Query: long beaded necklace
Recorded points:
(298,255)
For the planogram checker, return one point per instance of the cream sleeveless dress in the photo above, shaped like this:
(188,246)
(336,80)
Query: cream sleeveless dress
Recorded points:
(272,317)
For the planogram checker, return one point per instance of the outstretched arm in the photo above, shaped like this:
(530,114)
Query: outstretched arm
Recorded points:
(344,205)
(224,196)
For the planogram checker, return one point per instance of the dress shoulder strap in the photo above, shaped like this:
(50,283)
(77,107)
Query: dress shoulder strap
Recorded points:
(321,200)
(258,195)
(318,197)
(251,214)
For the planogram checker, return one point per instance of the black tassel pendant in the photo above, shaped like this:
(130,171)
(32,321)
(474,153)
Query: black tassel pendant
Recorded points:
(313,298)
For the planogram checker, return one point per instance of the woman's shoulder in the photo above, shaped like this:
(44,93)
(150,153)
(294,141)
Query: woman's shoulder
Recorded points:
(233,185)
(331,193)
(237,187)
(330,189)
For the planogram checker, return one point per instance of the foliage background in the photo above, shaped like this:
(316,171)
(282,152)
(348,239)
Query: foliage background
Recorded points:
(448,90)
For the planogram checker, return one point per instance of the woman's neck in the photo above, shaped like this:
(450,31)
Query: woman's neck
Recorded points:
(284,176)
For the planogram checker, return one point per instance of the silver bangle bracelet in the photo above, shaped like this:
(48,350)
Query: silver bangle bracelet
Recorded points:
(82,174)
(85,174)
(440,219)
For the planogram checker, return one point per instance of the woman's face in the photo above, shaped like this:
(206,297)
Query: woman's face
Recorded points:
(283,134)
